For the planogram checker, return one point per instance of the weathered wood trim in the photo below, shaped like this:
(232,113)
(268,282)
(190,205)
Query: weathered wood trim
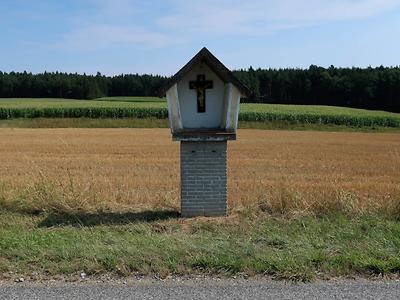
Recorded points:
(174,114)
(232,102)
(226,105)
(204,136)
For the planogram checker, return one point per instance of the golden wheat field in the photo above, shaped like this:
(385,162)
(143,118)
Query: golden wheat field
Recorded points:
(279,172)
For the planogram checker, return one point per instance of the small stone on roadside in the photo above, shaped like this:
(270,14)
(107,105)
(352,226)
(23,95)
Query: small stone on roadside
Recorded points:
(83,275)
(20,279)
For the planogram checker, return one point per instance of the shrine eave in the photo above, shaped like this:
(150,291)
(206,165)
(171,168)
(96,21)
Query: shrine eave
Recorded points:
(205,56)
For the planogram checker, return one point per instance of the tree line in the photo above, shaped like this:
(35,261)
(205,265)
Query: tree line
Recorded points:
(371,88)
(77,86)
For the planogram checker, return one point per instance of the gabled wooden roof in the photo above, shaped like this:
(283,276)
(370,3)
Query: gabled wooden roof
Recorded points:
(205,56)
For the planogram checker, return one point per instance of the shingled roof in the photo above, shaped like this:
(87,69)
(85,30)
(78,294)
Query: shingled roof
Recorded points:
(205,56)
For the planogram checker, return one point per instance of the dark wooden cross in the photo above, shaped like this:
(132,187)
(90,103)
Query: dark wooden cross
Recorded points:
(201,85)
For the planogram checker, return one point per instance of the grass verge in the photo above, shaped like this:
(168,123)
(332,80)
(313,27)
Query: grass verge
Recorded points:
(163,123)
(157,242)
(84,123)
(56,234)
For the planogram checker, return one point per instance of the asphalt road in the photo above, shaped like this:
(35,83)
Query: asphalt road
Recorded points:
(224,289)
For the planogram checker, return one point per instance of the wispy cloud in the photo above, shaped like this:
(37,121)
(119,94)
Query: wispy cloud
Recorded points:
(265,17)
(110,23)
(114,8)
(104,36)
(106,23)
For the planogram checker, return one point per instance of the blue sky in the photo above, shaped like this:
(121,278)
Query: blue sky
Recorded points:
(158,37)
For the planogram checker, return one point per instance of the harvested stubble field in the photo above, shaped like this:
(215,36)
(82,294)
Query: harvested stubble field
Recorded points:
(302,205)
(278,172)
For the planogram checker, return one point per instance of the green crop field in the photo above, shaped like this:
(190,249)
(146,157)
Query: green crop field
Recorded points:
(133,99)
(314,114)
(69,108)
(117,102)
(153,107)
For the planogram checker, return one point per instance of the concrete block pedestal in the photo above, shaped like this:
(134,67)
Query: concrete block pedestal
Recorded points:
(203,178)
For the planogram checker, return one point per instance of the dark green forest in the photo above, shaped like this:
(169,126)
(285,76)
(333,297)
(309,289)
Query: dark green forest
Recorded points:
(76,86)
(370,88)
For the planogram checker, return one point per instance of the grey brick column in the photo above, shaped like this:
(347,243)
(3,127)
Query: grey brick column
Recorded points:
(203,178)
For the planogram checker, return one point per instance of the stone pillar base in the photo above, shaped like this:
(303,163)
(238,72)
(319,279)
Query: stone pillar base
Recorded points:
(203,179)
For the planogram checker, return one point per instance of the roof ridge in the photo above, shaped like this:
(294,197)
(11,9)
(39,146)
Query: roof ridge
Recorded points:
(216,66)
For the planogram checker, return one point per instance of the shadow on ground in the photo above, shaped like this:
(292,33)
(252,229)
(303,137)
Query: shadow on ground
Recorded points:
(93,219)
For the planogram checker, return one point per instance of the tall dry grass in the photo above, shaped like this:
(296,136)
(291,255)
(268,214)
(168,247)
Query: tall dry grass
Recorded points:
(275,172)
